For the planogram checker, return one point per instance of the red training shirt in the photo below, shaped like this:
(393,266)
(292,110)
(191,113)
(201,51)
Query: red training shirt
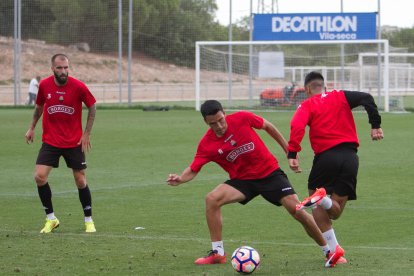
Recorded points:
(62,111)
(240,151)
(330,122)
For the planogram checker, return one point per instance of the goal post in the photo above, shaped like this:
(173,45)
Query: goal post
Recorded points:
(269,74)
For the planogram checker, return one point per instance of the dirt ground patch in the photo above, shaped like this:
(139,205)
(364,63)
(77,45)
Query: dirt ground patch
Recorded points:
(152,80)
(91,67)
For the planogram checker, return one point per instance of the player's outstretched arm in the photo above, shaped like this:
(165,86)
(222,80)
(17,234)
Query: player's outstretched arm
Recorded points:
(275,134)
(175,179)
(38,111)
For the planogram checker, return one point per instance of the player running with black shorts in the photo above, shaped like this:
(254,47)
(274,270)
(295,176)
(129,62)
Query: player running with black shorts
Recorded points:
(234,145)
(334,140)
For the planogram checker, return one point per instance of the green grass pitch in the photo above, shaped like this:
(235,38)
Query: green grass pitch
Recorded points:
(133,152)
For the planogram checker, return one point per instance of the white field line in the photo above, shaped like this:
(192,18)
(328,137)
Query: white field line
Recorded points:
(115,187)
(69,193)
(193,239)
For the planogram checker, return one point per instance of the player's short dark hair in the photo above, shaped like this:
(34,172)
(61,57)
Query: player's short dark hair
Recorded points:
(58,55)
(313,76)
(210,107)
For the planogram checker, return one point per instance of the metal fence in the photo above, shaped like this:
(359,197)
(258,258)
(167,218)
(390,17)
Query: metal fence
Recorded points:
(111,48)
(113,58)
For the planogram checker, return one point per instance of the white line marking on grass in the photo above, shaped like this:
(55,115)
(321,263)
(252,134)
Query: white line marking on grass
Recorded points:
(115,187)
(194,239)
(73,191)
(144,185)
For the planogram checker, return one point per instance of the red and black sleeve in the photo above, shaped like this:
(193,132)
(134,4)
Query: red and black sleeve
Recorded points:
(355,99)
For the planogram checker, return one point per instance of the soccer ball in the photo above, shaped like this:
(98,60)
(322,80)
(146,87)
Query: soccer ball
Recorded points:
(245,259)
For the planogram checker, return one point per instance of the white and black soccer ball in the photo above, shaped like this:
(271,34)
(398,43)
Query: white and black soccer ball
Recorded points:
(245,259)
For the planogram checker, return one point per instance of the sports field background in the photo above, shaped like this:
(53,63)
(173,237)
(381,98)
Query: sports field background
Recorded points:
(133,152)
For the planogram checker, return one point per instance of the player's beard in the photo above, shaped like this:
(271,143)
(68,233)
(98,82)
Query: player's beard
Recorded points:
(62,78)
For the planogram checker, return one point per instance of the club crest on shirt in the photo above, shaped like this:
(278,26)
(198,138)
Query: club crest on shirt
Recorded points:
(232,156)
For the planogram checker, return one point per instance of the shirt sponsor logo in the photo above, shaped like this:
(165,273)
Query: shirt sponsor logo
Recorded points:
(60,108)
(232,156)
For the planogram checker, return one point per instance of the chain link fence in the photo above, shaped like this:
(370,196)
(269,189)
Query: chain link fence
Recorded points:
(126,51)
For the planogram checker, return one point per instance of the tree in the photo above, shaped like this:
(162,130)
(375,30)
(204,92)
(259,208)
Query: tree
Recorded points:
(404,38)
(178,28)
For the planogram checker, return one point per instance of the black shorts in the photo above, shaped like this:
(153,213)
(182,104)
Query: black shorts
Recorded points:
(272,188)
(336,170)
(50,155)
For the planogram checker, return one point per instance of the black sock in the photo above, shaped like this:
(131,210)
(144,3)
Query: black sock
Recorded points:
(45,195)
(86,201)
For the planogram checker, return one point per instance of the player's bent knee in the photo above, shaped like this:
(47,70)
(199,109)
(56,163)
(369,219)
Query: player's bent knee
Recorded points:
(337,208)
(80,179)
(289,202)
(211,198)
(40,179)
(335,216)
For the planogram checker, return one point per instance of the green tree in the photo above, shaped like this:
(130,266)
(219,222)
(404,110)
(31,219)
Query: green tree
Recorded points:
(404,38)
(165,29)
(175,32)
(34,18)
(6,17)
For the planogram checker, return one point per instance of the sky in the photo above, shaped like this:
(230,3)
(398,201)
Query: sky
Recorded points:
(398,13)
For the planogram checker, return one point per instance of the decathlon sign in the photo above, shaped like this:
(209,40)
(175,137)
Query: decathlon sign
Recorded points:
(315,26)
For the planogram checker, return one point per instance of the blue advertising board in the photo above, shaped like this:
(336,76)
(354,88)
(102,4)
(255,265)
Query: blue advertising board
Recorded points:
(314,26)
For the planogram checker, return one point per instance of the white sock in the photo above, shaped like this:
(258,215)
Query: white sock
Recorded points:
(218,245)
(88,219)
(325,249)
(326,203)
(51,216)
(330,239)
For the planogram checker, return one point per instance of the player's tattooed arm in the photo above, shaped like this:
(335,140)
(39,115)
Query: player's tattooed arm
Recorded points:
(90,119)
(85,140)
(38,111)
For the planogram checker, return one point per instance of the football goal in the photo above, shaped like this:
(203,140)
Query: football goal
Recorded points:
(268,75)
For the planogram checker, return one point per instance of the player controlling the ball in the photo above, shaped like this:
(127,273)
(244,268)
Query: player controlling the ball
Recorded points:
(234,145)
(333,137)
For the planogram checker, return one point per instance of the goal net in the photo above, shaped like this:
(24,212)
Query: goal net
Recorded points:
(269,75)
(401,78)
